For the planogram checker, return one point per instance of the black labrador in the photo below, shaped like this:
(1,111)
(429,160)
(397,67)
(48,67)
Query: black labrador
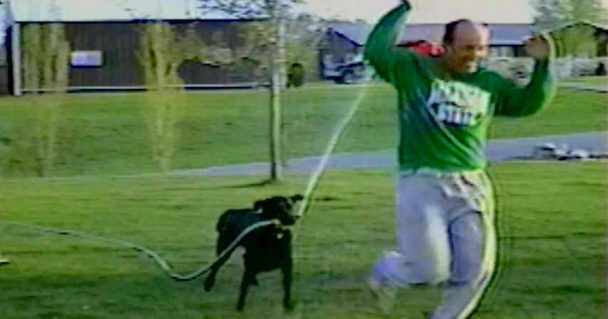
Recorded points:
(266,248)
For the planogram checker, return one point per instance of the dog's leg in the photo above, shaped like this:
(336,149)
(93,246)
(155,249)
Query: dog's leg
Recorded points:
(247,278)
(254,281)
(210,280)
(287,269)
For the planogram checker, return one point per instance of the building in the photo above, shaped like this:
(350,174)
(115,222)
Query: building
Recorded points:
(344,41)
(342,44)
(597,31)
(104,39)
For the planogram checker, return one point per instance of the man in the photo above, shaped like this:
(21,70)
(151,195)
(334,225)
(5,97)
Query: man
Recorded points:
(445,217)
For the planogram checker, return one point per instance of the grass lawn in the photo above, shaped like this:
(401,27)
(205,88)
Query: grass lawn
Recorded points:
(599,81)
(107,134)
(551,219)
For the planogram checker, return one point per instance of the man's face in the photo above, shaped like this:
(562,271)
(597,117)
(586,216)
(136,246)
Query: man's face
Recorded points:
(470,44)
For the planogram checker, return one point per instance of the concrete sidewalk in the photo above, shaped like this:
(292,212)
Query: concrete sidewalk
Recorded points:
(497,151)
(585,87)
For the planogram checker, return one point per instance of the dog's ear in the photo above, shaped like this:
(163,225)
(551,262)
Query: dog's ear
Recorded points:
(258,204)
(296,198)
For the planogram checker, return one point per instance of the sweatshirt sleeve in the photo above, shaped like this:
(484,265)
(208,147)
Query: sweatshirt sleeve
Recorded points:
(381,50)
(514,100)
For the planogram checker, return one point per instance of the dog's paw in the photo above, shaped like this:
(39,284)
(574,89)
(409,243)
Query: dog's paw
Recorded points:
(209,282)
(290,306)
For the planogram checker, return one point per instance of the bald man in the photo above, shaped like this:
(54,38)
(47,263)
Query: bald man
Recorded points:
(445,207)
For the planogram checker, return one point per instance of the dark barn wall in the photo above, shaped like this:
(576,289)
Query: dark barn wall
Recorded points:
(228,33)
(8,70)
(4,85)
(119,42)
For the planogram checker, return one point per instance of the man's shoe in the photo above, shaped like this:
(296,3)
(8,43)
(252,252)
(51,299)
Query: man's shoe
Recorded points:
(383,293)
(4,261)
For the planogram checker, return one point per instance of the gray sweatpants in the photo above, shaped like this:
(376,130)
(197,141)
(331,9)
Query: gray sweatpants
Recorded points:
(445,235)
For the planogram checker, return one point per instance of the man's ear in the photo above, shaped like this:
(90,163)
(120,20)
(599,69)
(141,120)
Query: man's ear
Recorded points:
(296,198)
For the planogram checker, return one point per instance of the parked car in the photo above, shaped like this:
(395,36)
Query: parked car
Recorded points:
(352,71)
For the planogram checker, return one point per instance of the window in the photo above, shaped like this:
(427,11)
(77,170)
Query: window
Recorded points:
(86,59)
(501,51)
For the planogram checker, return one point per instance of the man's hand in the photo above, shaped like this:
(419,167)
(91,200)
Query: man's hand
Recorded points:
(539,47)
(408,4)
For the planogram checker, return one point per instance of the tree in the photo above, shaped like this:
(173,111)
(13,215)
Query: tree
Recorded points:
(303,36)
(45,69)
(550,13)
(162,49)
(160,54)
(273,32)
(575,40)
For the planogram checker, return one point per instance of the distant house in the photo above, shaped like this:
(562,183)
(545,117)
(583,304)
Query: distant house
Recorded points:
(344,41)
(599,32)
(104,38)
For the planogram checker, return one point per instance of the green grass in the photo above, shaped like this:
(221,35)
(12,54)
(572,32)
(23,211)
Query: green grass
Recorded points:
(107,135)
(599,81)
(551,217)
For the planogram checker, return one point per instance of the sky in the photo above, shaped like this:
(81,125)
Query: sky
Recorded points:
(430,11)
(424,11)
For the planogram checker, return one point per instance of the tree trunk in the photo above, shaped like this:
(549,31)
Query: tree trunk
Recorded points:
(277,84)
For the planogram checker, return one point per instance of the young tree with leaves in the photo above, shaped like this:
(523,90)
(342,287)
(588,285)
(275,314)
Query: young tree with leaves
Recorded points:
(160,56)
(45,69)
(577,39)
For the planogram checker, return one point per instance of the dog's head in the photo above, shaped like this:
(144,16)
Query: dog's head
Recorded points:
(279,207)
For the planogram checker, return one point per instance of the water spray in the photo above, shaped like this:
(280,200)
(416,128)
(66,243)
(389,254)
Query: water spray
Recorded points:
(313,182)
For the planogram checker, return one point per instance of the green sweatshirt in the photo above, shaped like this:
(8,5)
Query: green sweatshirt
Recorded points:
(443,118)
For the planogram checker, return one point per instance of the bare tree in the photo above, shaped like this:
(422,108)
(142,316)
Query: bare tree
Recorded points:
(274,33)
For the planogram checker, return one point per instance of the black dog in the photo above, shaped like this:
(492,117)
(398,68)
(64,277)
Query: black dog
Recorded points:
(266,248)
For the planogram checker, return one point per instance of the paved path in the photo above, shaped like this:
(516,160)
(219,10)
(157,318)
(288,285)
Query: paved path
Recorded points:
(497,151)
(585,87)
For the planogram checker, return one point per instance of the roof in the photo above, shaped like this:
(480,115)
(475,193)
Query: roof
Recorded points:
(511,34)
(502,34)
(598,26)
(114,10)
(355,32)
(428,32)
